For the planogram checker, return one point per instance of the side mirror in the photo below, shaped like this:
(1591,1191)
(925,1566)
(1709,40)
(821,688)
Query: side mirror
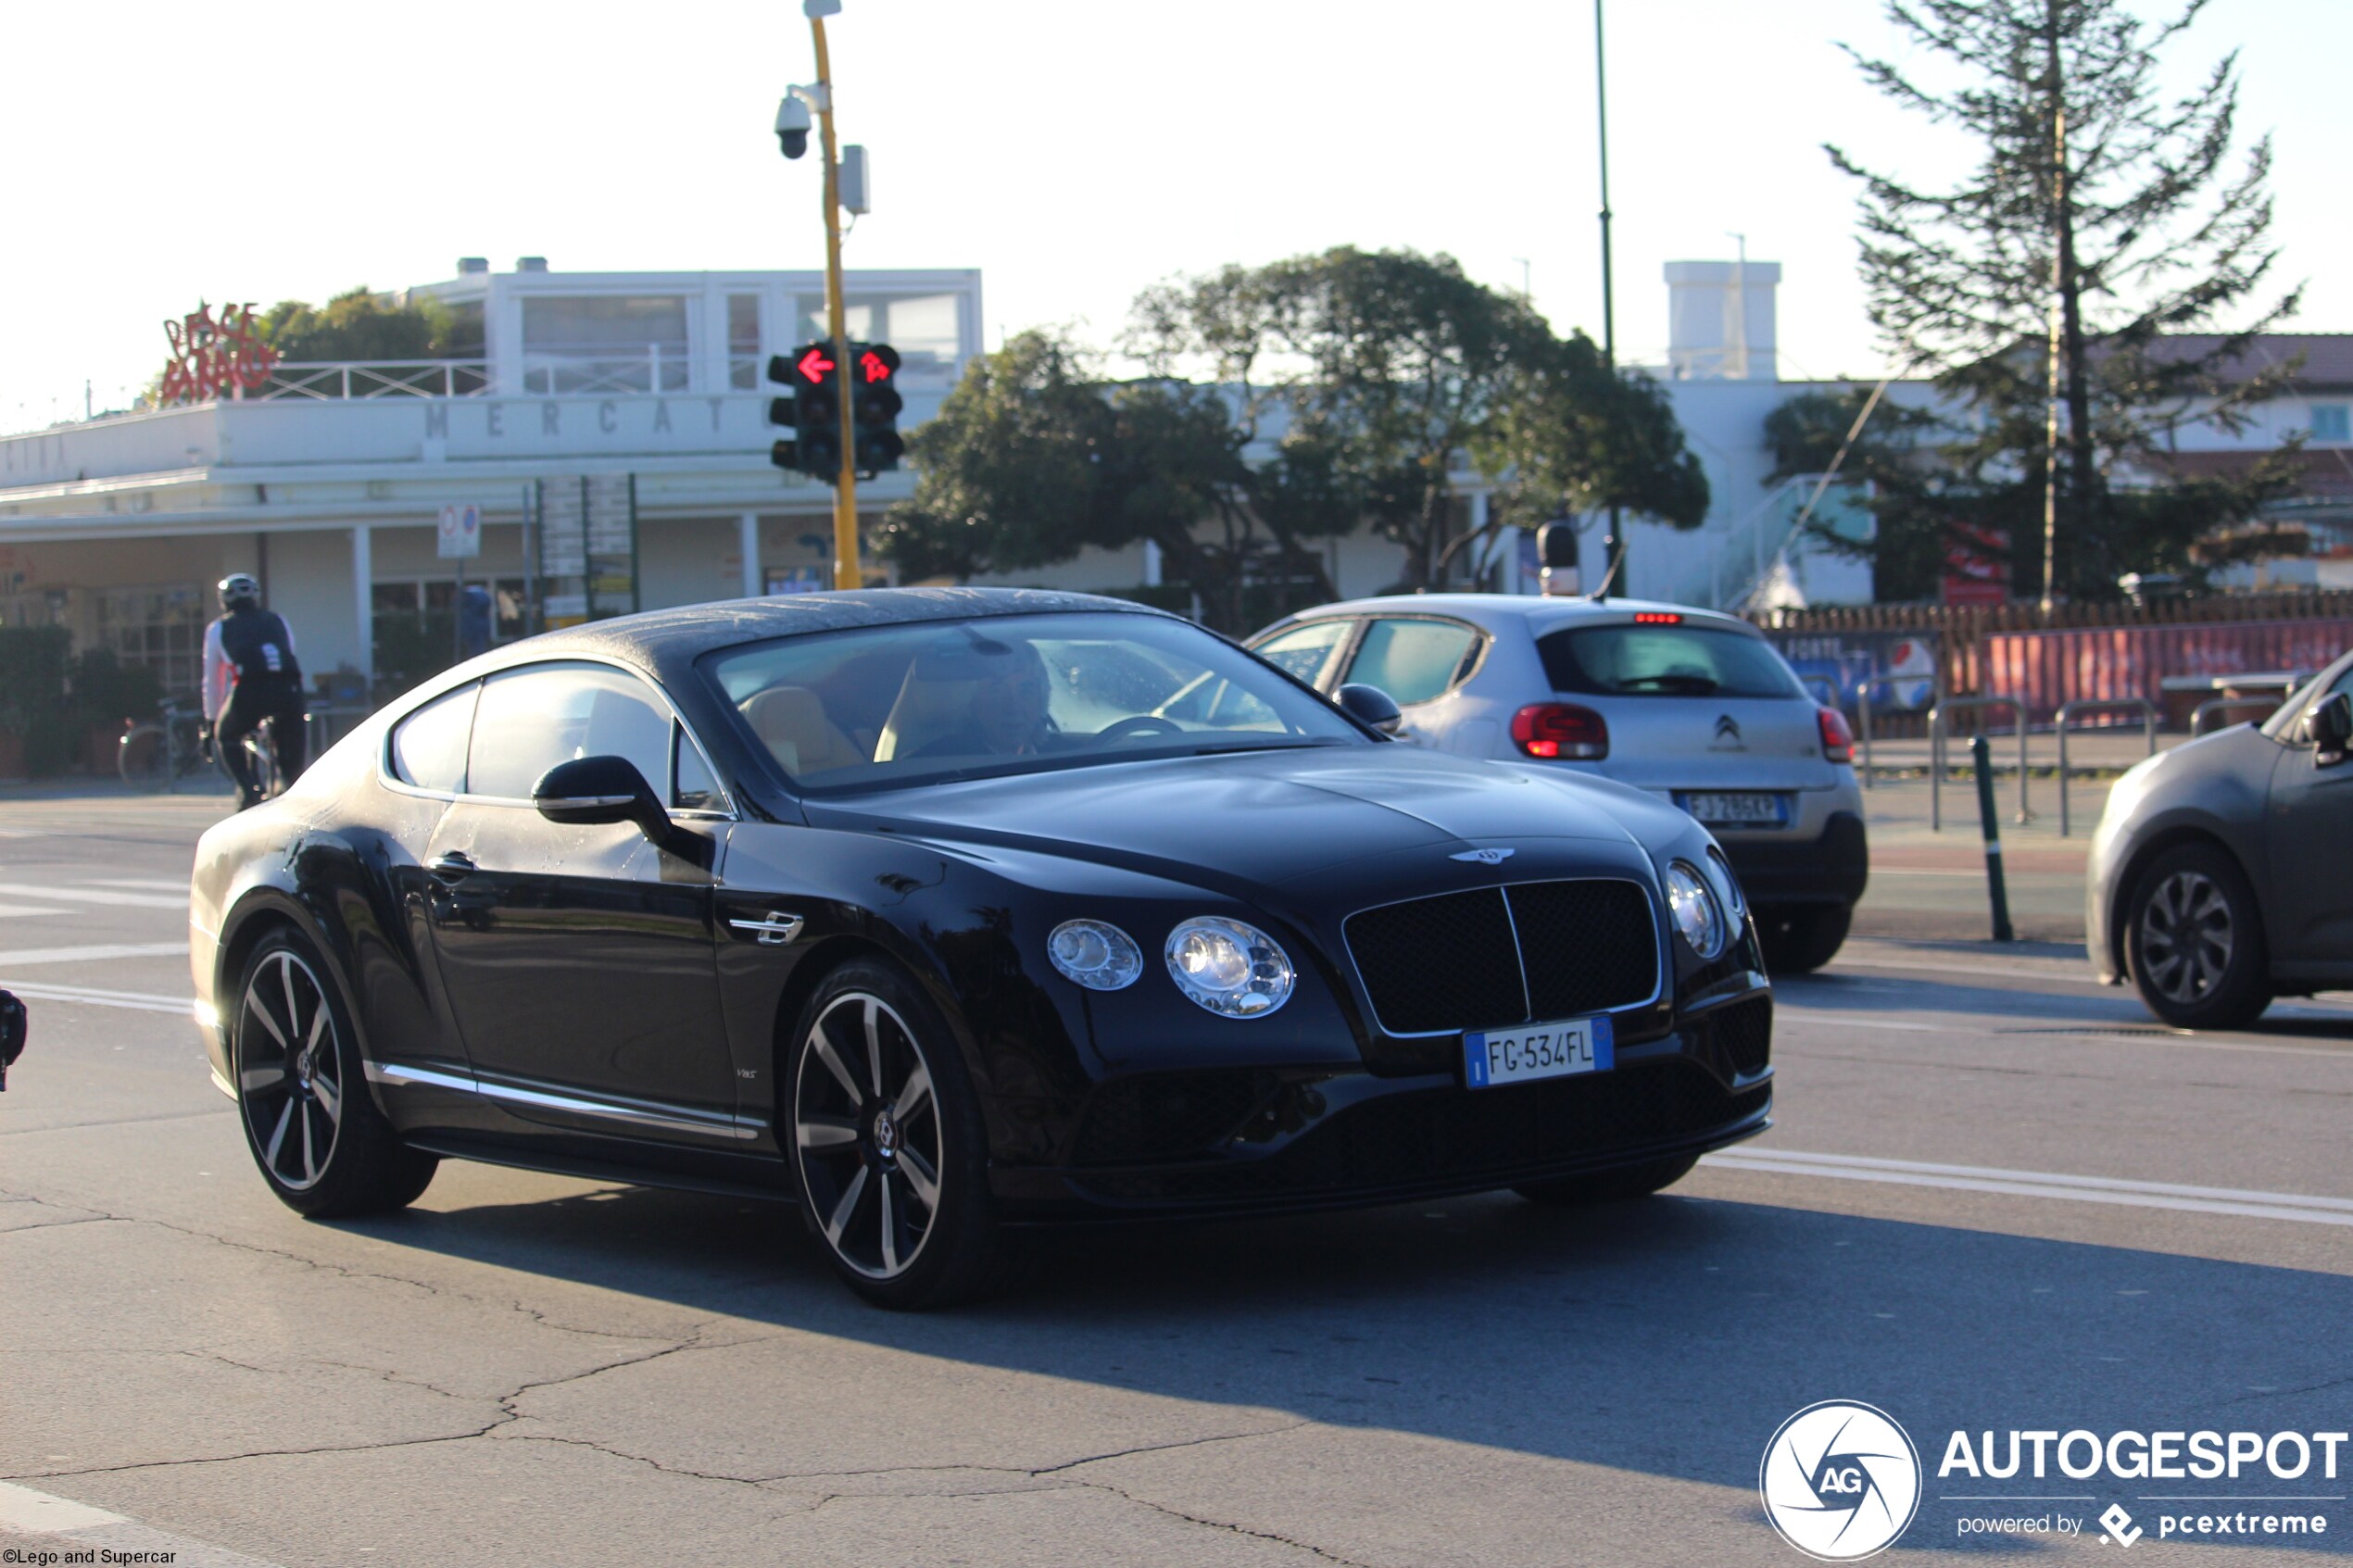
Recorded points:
(12,1027)
(600,789)
(2331,727)
(1371,704)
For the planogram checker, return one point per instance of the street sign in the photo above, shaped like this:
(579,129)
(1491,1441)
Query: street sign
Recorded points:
(460,533)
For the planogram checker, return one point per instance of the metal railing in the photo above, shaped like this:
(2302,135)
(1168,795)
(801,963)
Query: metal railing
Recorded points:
(2067,710)
(1936,735)
(2199,714)
(1864,723)
(334,380)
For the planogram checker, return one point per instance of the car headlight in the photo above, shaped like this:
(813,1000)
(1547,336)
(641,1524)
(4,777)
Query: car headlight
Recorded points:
(1235,970)
(1698,915)
(1728,886)
(1095,954)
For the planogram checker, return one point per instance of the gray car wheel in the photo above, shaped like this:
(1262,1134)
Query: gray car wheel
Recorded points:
(2195,941)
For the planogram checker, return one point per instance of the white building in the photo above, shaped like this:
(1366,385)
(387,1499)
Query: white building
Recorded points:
(612,431)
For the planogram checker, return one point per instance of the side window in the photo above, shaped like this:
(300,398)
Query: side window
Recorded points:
(1305,651)
(428,746)
(696,790)
(1412,660)
(530,720)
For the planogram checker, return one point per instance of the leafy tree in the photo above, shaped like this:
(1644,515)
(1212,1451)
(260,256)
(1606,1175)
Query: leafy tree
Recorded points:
(2100,198)
(1392,368)
(1036,456)
(360,326)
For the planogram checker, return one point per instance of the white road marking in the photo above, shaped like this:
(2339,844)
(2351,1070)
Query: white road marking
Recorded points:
(2151,1033)
(2042,1183)
(95,953)
(77,1527)
(95,894)
(142,1001)
(148,884)
(14,911)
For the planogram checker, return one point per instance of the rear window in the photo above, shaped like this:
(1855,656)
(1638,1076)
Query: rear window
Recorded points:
(1686,661)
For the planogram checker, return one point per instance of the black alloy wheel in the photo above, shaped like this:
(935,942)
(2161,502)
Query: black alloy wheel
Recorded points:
(887,1143)
(314,1130)
(2194,941)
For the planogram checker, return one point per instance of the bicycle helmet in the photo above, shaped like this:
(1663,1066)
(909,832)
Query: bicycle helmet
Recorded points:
(239,591)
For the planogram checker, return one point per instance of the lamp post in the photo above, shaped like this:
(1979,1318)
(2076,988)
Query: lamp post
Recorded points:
(846,572)
(1614,544)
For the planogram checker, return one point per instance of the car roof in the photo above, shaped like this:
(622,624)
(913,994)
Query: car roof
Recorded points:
(662,635)
(1539,613)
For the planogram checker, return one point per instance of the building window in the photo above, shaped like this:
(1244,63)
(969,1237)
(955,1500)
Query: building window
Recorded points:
(416,626)
(158,628)
(923,328)
(2330,422)
(743,342)
(604,343)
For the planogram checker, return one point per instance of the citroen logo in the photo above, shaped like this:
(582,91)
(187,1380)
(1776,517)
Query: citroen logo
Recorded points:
(1728,728)
(1484,856)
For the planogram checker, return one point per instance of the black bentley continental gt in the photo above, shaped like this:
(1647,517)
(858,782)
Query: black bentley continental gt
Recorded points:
(944,912)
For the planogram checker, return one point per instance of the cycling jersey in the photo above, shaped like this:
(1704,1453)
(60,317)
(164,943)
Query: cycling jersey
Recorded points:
(248,648)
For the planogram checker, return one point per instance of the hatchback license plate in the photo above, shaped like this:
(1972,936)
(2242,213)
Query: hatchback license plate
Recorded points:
(1754,808)
(1538,1050)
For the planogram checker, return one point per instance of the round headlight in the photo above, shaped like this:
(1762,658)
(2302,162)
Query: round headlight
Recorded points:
(1728,886)
(1698,915)
(1235,970)
(1095,954)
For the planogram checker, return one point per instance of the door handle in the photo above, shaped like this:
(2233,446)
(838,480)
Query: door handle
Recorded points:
(775,931)
(453,867)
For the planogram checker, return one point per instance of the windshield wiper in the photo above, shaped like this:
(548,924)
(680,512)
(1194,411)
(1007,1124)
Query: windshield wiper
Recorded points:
(1688,686)
(1294,744)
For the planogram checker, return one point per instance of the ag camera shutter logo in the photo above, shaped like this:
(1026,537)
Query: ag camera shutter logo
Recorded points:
(1840,1481)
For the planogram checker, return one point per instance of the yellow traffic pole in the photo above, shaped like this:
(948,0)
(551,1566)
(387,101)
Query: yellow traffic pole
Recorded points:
(846,574)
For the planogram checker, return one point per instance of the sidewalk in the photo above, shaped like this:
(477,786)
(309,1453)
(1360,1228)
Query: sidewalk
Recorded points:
(1928,884)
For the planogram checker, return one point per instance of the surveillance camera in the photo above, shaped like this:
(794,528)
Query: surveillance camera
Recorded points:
(792,126)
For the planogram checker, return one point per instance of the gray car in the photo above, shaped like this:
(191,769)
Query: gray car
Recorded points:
(2222,876)
(1684,703)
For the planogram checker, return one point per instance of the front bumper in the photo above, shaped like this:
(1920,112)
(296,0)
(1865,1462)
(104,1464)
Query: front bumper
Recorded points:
(1272,1140)
(1833,868)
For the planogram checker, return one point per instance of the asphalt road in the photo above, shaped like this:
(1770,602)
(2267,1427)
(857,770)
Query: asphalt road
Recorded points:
(1997,1197)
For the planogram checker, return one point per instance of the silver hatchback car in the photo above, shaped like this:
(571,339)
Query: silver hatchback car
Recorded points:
(1684,703)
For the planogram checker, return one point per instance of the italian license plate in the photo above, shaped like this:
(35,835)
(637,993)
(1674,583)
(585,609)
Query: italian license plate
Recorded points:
(1538,1050)
(1752,809)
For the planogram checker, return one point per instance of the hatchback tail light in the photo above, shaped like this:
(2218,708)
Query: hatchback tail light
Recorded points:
(1838,741)
(1561,730)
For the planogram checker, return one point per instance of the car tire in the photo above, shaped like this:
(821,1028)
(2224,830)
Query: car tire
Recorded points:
(1803,937)
(2194,941)
(302,1090)
(1609,1187)
(890,1152)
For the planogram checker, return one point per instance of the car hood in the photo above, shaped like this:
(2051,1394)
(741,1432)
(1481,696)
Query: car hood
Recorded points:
(1262,818)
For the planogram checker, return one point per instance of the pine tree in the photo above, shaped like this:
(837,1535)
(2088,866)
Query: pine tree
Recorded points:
(2104,220)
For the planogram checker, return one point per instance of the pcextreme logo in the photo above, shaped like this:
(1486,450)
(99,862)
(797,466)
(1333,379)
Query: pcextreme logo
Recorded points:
(1840,1480)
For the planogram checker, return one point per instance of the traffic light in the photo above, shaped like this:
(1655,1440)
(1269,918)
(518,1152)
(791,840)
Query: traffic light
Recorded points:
(875,404)
(813,412)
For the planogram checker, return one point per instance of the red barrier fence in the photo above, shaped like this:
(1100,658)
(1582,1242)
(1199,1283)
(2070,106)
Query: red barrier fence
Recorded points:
(2045,668)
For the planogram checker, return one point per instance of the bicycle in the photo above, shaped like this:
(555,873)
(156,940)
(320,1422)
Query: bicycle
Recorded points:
(153,756)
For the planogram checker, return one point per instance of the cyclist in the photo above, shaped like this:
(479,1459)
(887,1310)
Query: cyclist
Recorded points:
(250,674)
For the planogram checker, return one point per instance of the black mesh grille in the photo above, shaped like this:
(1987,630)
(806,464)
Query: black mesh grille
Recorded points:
(1167,1115)
(1745,1034)
(1443,963)
(1439,963)
(1445,1135)
(1588,947)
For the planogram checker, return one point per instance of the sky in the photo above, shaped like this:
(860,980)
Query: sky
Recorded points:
(1075,150)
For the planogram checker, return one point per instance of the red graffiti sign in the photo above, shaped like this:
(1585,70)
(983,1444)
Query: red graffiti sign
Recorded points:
(213,356)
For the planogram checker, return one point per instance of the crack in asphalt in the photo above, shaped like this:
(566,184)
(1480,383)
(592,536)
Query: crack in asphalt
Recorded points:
(508,1414)
(2256,1399)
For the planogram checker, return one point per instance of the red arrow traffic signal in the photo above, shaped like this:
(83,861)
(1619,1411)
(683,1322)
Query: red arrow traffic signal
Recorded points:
(874,367)
(814,366)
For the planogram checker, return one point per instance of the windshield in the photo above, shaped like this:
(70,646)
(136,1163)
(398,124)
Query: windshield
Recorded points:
(892,704)
(1685,660)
